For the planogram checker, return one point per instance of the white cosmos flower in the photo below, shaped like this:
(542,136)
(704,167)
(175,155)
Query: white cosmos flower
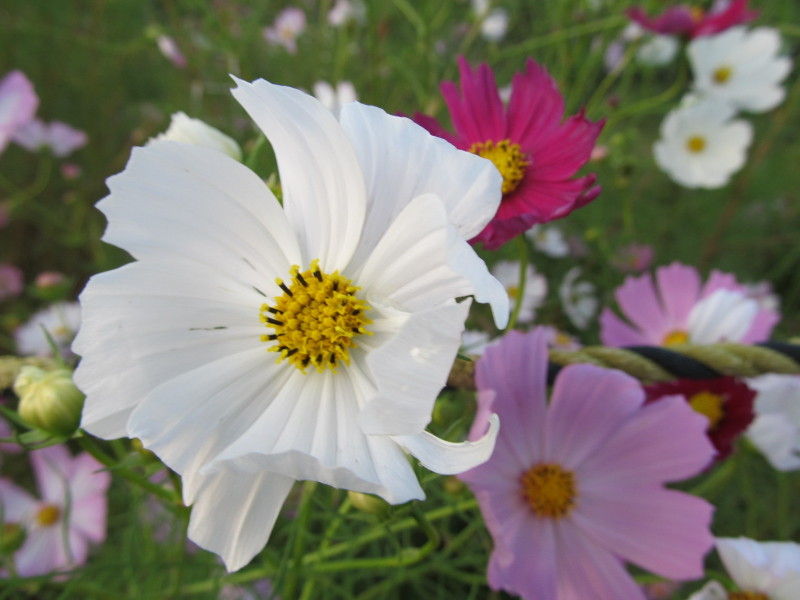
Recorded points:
(186,130)
(507,273)
(776,429)
(370,244)
(659,50)
(578,298)
(765,569)
(59,320)
(334,98)
(740,67)
(549,239)
(723,316)
(701,145)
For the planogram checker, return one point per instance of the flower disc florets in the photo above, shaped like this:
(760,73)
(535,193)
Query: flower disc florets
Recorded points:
(509,159)
(316,318)
(549,489)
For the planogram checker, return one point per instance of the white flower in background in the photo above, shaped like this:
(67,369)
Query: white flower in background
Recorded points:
(776,429)
(288,26)
(187,130)
(768,570)
(549,240)
(494,23)
(334,98)
(507,273)
(578,298)
(659,50)
(701,145)
(60,320)
(345,11)
(723,316)
(474,342)
(252,344)
(740,67)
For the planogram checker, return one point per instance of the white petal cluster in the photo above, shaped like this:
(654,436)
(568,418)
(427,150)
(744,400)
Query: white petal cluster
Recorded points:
(724,316)
(59,321)
(333,98)
(187,130)
(172,342)
(776,429)
(578,298)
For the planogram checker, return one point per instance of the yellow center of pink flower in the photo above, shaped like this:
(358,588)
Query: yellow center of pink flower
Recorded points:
(675,338)
(710,405)
(48,515)
(509,159)
(316,319)
(722,74)
(549,490)
(747,596)
(696,144)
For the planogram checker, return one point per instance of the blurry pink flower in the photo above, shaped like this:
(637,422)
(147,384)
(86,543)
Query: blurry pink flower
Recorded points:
(171,52)
(576,487)
(692,21)
(10,281)
(60,138)
(7,432)
(47,279)
(18,103)
(526,140)
(599,152)
(70,514)
(288,25)
(674,308)
(633,258)
(70,171)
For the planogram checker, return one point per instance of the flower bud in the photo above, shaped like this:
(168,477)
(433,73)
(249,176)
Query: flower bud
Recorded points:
(12,536)
(368,503)
(49,400)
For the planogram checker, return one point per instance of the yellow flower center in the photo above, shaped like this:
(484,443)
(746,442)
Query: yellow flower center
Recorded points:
(48,515)
(316,319)
(512,291)
(696,144)
(747,596)
(675,338)
(509,159)
(709,405)
(697,13)
(549,490)
(722,74)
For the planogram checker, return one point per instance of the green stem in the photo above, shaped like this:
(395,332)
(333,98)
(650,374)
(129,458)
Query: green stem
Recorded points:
(308,589)
(523,280)
(300,528)
(252,156)
(562,35)
(710,485)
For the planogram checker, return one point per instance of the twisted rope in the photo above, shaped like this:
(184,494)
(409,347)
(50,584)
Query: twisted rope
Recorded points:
(652,364)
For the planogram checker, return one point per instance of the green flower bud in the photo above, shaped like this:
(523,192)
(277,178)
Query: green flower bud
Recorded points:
(49,400)
(10,366)
(368,503)
(12,536)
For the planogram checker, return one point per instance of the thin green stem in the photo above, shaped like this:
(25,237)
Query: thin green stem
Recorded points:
(300,529)
(522,244)
(562,35)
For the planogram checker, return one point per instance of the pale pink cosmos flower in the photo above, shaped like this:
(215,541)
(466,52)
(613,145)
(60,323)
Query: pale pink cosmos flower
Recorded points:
(10,281)
(60,138)
(674,307)
(18,104)
(169,48)
(576,487)
(633,258)
(288,25)
(70,513)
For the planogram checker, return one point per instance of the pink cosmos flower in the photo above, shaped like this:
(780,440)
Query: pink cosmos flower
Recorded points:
(633,258)
(692,21)
(70,514)
(60,138)
(10,281)
(575,487)
(18,104)
(169,49)
(526,140)
(288,25)
(674,308)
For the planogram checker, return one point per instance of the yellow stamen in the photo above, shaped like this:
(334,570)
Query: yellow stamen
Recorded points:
(722,74)
(48,515)
(696,144)
(549,490)
(747,596)
(697,13)
(509,159)
(316,319)
(710,405)
(512,291)
(675,338)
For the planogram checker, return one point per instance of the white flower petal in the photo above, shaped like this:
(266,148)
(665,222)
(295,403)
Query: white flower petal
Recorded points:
(448,458)
(322,183)
(724,316)
(713,590)
(235,512)
(186,130)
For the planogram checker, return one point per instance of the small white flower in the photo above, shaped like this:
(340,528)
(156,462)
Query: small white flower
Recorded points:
(351,284)
(659,50)
(60,320)
(345,11)
(771,569)
(701,145)
(740,67)
(507,273)
(578,298)
(334,98)
(494,23)
(723,316)
(187,130)
(549,240)
(776,428)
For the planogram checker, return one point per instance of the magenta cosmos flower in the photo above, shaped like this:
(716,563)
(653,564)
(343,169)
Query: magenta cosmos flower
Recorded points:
(537,154)
(18,104)
(693,21)
(576,487)
(70,514)
(675,308)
